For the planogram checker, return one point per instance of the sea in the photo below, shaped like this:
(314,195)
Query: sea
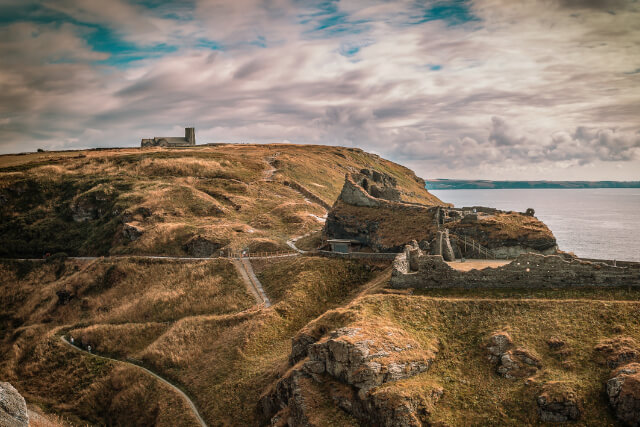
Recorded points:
(602,223)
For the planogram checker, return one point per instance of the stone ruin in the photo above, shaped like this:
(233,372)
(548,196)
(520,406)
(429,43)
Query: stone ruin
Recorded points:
(491,231)
(369,188)
(414,269)
(171,141)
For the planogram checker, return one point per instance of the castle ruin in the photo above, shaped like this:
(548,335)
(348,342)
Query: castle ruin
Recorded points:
(189,140)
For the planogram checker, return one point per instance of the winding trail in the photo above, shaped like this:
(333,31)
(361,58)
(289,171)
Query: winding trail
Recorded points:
(175,388)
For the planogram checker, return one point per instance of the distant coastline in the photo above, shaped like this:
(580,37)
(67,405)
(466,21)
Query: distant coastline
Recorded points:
(472,184)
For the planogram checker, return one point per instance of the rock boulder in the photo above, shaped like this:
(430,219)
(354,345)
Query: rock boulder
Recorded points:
(618,351)
(558,403)
(623,390)
(13,408)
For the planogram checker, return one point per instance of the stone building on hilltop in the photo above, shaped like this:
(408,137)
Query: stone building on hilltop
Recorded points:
(171,141)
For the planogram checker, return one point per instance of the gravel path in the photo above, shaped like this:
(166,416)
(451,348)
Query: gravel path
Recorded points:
(176,389)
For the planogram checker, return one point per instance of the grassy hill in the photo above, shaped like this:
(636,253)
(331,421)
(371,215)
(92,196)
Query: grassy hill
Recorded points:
(155,201)
(195,323)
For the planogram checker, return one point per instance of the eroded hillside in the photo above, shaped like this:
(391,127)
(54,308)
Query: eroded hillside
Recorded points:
(174,202)
(337,347)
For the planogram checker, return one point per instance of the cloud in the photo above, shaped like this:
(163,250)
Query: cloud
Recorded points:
(461,89)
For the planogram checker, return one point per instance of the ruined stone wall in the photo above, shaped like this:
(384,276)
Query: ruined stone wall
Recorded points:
(355,195)
(527,271)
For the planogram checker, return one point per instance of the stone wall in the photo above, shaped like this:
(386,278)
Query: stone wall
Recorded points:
(527,271)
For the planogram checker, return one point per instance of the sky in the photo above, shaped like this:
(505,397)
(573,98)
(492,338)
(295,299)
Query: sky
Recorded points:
(467,89)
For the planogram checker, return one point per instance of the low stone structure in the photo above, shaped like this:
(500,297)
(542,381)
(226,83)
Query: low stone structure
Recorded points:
(413,269)
(171,141)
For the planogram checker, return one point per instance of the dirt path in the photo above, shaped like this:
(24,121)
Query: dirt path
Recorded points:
(176,389)
(245,270)
(267,175)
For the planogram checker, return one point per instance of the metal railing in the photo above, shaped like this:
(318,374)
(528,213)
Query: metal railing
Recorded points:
(243,254)
(476,247)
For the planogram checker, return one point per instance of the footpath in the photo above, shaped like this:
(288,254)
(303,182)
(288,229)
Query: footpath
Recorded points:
(153,374)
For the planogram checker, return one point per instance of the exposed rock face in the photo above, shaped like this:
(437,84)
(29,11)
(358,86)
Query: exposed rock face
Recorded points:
(518,363)
(132,232)
(618,351)
(623,390)
(385,408)
(526,271)
(506,234)
(356,364)
(510,363)
(362,189)
(202,247)
(370,210)
(92,204)
(499,343)
(13,408)
(347,355)
(558,403)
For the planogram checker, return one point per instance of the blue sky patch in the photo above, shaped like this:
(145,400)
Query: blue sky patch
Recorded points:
(453,12)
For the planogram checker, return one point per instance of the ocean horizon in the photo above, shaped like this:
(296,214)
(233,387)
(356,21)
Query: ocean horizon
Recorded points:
(597,223)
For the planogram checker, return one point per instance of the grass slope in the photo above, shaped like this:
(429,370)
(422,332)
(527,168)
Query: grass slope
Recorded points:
(191,322)
(236,196)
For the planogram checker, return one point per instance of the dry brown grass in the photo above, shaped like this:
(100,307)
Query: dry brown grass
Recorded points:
(196,191)
(231,356)
(125,291)
(473,393)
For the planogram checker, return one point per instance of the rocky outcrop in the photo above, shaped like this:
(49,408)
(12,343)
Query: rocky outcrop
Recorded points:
(499,343)
(13,408)
(384,407)
(368,188)
(618,351)
(506,234)
(623,391)
(132,232)
(558,402)
(93,204)
(370,211)
(517,363)
(200,246)
(351,356)
(526,271)
(510,363)
(357,365)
